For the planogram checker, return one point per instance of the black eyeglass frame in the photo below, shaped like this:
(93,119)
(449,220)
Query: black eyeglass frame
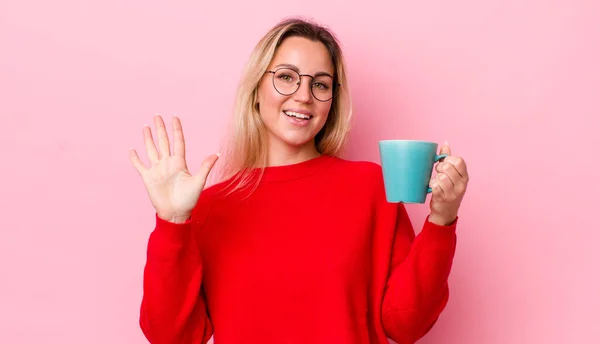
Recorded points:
(333,92)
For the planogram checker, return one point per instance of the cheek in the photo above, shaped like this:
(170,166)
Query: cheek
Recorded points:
(268,98)
(323,110)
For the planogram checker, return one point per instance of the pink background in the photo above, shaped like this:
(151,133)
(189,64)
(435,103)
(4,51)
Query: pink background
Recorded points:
(514,86)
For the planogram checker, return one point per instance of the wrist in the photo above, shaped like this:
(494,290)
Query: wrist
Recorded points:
(177,219)
(441,220)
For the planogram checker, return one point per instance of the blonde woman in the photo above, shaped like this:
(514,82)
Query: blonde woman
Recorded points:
(293,244)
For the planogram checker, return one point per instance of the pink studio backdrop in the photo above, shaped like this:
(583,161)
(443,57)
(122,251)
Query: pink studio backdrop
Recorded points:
(513,86)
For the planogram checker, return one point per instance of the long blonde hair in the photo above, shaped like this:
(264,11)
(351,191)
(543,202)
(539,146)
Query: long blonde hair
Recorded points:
(246,150)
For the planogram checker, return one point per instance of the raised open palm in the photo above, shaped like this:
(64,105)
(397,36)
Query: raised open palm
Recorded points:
(173,190)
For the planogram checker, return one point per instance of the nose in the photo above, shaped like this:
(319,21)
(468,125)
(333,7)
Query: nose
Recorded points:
(303,94)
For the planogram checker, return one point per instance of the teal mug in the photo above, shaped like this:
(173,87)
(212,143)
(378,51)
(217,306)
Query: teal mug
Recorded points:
(407,167)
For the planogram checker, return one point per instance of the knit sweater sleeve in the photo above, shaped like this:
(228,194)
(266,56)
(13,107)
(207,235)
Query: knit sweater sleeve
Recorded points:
(173,308)
(417,287)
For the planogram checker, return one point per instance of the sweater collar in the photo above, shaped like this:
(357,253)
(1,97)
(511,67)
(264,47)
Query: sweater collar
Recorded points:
(297,170)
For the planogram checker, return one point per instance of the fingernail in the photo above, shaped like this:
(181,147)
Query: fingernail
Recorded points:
(218,154)
(446,143)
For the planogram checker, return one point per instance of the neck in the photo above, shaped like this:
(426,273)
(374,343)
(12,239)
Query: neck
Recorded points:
(287,155)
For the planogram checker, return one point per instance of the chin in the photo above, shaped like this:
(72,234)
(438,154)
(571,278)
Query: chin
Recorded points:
(294,135)
(297,141)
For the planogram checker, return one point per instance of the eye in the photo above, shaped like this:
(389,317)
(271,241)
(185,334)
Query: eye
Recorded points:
(286,77)
(320,85)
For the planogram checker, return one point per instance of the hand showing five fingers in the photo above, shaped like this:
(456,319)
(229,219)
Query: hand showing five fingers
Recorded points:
(448,188)
(173,191)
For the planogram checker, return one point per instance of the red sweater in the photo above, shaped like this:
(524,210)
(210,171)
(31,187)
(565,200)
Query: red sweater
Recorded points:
(314,255)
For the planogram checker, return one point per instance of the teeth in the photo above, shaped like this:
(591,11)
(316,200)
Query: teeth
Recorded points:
(297,115)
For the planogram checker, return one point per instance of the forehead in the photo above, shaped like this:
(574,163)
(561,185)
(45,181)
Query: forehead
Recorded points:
(309,56)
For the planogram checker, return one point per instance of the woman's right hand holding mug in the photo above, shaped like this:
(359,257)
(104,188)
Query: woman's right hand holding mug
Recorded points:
(173,190)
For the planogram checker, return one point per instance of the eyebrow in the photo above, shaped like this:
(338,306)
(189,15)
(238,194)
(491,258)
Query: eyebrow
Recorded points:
(293,67)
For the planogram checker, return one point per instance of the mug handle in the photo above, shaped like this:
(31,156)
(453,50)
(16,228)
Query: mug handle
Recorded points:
(436,159)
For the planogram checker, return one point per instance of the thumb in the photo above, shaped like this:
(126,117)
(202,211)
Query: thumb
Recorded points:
(205,168)
(445,148)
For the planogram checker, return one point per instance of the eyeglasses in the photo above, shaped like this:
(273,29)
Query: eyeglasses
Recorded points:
(287,81)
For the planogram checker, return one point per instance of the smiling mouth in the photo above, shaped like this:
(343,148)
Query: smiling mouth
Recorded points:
(297,115)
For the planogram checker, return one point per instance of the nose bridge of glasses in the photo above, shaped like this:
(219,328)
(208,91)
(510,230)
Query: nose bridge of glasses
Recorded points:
(299,83)
(307,75)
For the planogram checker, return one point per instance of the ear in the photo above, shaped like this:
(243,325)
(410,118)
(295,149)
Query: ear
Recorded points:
(257,98)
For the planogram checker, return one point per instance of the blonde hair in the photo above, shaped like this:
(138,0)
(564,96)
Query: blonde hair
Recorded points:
(246,150)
